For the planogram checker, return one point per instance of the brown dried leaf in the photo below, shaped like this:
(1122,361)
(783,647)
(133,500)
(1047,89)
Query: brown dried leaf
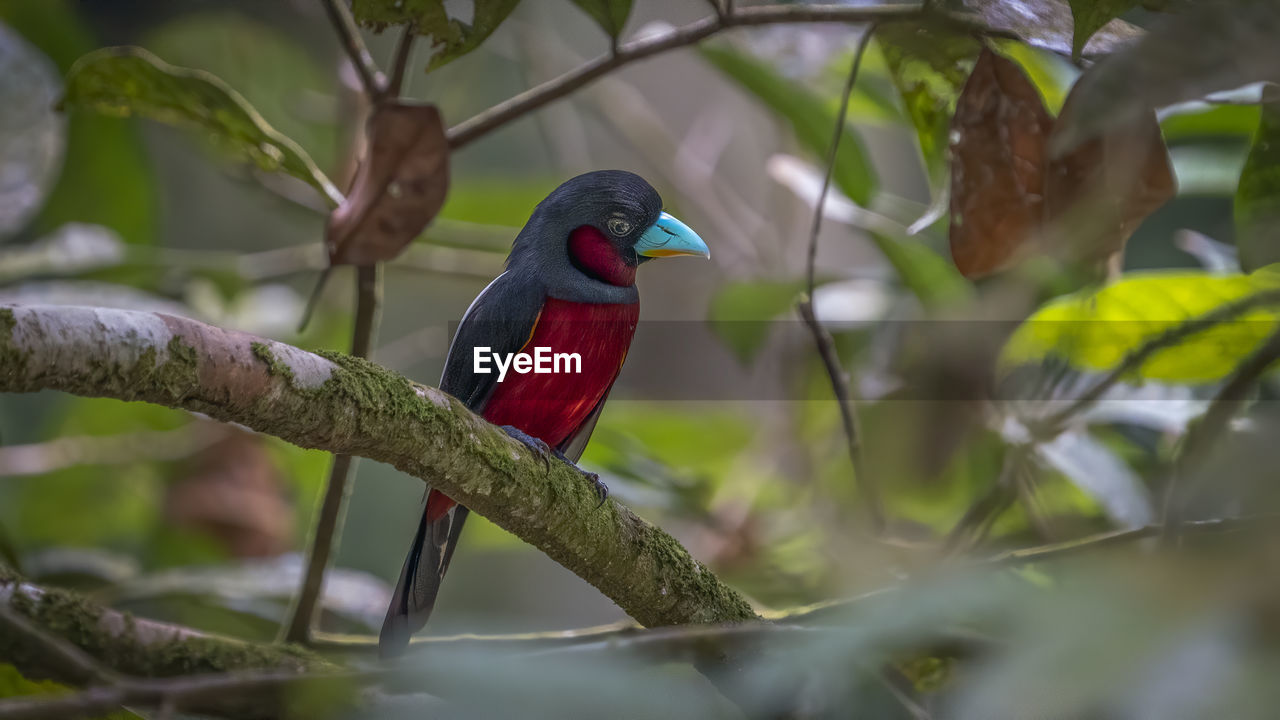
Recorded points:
(398,188)
(1097,194)
(999,135)
(235,493)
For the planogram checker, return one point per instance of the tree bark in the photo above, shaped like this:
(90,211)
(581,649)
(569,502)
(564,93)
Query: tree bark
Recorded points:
(342,404)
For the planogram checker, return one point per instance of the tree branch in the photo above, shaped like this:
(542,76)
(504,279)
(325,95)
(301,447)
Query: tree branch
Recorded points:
(345,405)
(691,34)
(821,336)
(370,77)
(56,634)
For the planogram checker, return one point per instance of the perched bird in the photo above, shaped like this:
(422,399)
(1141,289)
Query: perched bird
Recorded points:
(569,287)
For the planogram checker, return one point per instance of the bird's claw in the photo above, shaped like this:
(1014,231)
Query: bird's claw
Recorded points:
(544,451)
(539,446)
(602,490)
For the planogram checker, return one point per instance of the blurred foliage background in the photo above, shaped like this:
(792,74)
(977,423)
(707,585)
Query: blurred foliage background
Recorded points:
(742,456)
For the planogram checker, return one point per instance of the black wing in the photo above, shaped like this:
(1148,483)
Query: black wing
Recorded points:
(501,318)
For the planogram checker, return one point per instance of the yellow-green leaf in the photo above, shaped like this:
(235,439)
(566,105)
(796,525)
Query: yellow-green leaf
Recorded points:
(129,81)
(1094,331)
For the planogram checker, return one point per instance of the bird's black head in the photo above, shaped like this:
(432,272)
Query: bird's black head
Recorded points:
(597,228)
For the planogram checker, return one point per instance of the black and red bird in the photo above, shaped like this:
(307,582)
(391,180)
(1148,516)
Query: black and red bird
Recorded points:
(569,287)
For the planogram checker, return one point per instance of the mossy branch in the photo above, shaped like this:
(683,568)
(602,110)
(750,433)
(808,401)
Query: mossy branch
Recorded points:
(341,404)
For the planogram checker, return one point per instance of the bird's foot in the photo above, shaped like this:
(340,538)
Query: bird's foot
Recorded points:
(541,448)
(544,451)
(602,490)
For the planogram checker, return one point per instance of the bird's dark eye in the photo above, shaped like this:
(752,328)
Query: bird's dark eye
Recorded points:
(618,227)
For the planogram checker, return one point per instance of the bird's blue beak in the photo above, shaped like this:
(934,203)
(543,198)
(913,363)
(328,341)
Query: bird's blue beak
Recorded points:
(668,236)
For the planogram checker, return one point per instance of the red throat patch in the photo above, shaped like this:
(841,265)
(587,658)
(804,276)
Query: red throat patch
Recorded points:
(592,253)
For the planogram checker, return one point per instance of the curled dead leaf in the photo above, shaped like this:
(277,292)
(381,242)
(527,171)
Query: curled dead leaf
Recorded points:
(998,142)
(398,189)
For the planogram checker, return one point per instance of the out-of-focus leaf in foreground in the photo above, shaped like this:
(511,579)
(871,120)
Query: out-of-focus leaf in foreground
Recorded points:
(129,81)
(1210,47)
(1097,194)
(398,189)
(1096,330)
(809,116)
(998,139)
(1257,205)
(449,37)
(352,595)
(32,135)
(610,15)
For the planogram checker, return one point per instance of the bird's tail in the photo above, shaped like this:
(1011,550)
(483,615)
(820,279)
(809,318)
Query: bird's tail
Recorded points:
(424,568)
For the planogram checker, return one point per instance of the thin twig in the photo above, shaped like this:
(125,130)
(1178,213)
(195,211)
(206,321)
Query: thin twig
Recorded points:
(821,336)
(328,527)
(370,77)
(1205,433)
(1135,359)
(404,51)
(520,105)
(1054,551)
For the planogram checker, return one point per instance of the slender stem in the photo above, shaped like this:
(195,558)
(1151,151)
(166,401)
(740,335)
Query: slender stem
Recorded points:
(1053,551)
(821,336)
(328,527)
(1204,435)
(370,77)
(516,107)
(404,51)
(977,520)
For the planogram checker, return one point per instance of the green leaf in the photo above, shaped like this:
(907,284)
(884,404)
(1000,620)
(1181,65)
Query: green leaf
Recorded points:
(929,63)
(930,277)
(129,81)
(1257,206)
(741,313)
(271,69)
(449,37)
(809,115)
(1089,16)
(1095,331)
(611,15)
(1230,122)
